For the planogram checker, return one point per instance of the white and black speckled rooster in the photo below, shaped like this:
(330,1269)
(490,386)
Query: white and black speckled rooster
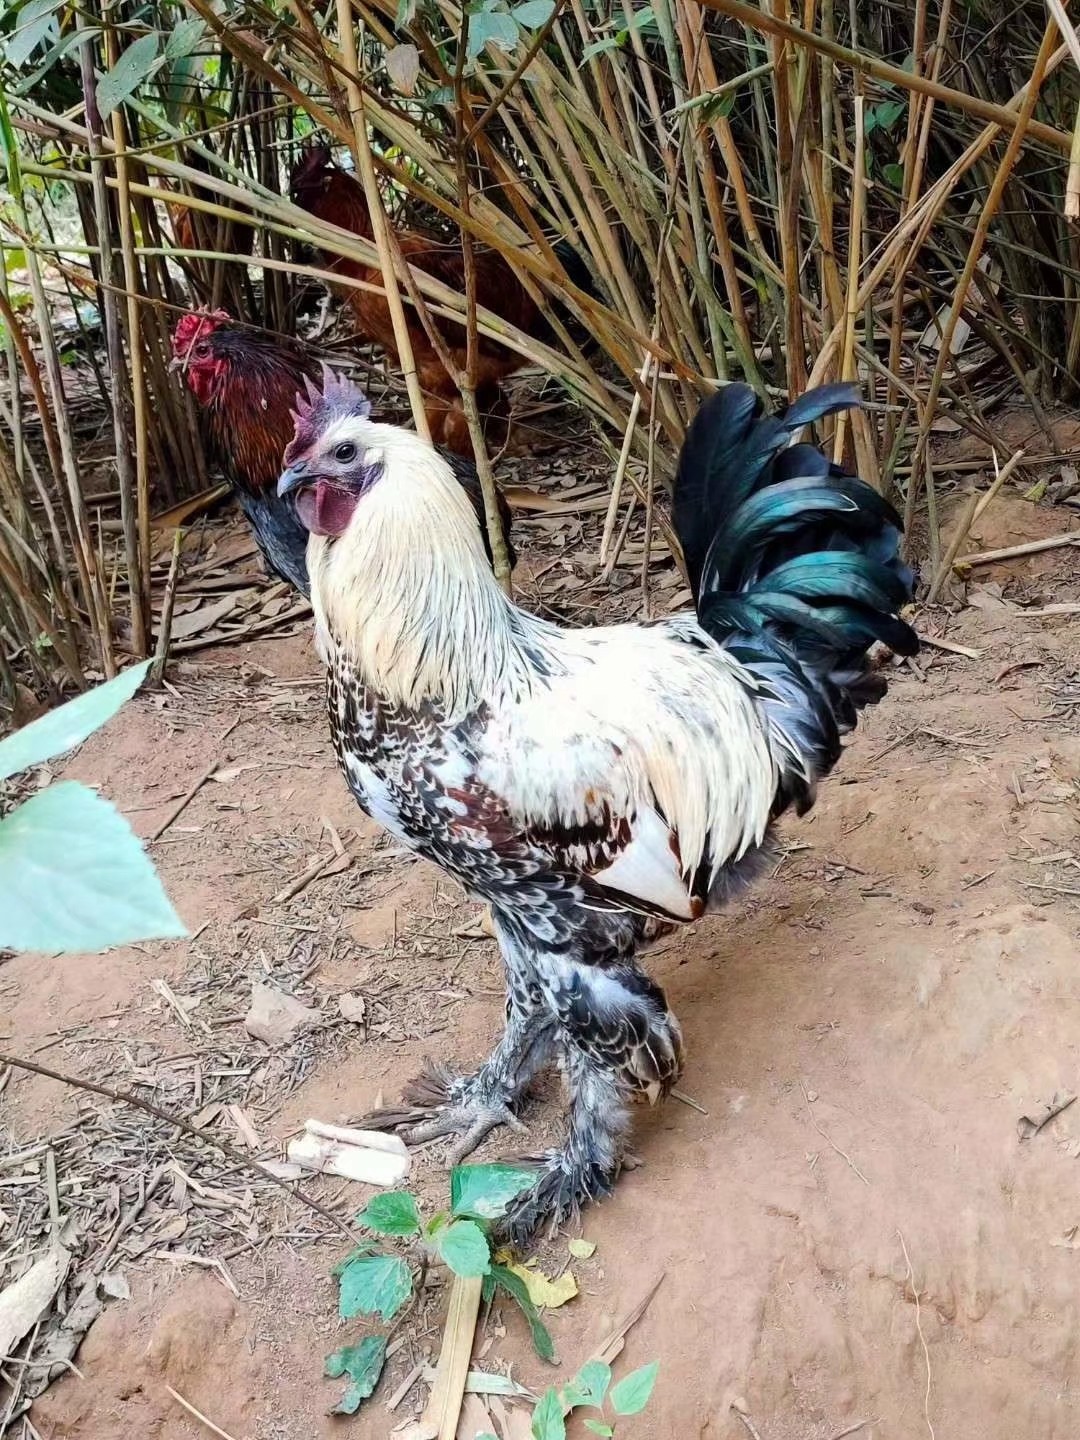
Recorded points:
(587,782)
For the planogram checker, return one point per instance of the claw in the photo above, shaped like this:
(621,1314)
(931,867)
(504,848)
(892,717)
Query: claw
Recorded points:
(476,1121)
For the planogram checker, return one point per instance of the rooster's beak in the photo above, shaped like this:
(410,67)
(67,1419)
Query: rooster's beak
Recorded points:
(175,364)
(291,479)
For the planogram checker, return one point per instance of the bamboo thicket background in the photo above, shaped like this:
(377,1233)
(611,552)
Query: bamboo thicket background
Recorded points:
(779,194)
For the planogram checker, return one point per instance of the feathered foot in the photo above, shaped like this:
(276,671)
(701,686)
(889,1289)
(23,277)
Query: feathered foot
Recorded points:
(439,1102)
(471,1106)
(588,1164)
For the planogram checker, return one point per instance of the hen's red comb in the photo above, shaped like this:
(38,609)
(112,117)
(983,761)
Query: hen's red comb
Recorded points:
(194,326)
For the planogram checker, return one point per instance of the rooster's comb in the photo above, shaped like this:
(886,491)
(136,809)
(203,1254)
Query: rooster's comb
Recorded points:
(194,326)
(318,409)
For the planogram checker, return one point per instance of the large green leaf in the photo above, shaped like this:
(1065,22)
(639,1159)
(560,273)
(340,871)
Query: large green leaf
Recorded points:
(492,25)
(374,1284)
(393,1213)
(533,13)
(69,724)
(464,1247)
(363,1364)
(74,877)
(138,62)
(482,1192)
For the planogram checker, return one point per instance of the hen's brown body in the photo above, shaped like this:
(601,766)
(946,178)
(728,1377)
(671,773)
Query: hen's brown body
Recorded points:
(331,194)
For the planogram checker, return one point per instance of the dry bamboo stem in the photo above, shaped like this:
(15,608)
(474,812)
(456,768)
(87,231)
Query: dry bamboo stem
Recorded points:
(892,74)
(361,147)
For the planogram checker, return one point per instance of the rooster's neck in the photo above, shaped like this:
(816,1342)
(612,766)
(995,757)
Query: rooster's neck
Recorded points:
(406,597)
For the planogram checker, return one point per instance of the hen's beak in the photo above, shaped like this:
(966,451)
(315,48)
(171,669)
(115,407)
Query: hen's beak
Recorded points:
(175,364)
(291,479)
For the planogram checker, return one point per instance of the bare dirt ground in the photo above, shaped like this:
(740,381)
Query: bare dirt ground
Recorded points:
(849,1228)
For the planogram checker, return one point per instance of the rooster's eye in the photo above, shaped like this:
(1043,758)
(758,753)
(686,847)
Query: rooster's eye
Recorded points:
(345,452)
(202,350)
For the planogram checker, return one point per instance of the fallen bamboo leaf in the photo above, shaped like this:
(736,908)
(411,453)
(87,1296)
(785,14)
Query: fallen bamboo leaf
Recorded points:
(23,1303)
(582,1249)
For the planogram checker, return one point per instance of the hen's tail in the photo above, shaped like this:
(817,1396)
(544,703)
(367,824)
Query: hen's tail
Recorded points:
(795,568)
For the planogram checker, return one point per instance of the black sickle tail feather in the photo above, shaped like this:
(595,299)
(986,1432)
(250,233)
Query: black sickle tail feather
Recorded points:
(795,568)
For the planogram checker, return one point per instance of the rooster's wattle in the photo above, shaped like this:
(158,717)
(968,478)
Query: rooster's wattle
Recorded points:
(583,782)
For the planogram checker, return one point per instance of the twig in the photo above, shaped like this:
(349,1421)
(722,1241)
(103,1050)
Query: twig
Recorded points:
(1012,552)
(235,1155)
(686,1100)
(975,506)
(214,1429)
(827,1138)
(950,646)
(852,1429)
(161,651)
(922,1337)
(745,1418)
(189,795)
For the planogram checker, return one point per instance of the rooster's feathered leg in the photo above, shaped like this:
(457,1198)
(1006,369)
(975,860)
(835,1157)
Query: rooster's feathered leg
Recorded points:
(620,1043)
(472,1106)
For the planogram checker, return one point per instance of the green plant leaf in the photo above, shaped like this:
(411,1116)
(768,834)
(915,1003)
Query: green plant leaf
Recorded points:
(69,724)
(363,1364)
(547,1419)
(482,1192)
(515,1288)
(632,1392)
(393,1213)
(464,1247)
(599,1428)
(138,62)
(491,25)
(74,877)
(894,176)
(184,39)
(589,1385)
(533,13)
(374,1284)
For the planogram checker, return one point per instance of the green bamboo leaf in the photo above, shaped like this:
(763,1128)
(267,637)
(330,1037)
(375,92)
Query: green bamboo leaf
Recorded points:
(515,1288)
(138,62)
(74,877)
(184,39)
(35,23)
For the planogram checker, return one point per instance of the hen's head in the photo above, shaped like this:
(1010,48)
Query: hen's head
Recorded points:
(202,347)
(311,174)
(334,457)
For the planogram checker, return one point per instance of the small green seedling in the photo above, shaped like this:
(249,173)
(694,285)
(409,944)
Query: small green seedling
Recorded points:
(591,1388)
(379,1282)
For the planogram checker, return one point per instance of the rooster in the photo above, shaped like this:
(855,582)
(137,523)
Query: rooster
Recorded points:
(584,782)
(332,194)
(247,383)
